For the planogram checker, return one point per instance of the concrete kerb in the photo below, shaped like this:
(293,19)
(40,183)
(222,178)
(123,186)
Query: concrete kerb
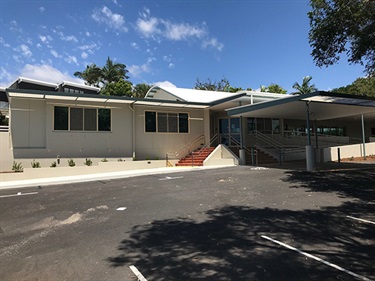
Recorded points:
(99,176)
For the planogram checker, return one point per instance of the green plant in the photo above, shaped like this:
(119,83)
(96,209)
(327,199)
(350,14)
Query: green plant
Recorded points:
(53,164)
(120,160)
(104,160)
(35,164)
(71,162)
(156,157)
(17,167)
(351,158)
(88,162)
(134,158)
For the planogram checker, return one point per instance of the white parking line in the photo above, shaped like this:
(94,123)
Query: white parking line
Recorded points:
(18,194)
(360,277)
(137,273)
(170,178)
(362,220)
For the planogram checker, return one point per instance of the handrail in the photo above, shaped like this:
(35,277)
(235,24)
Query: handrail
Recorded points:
(214,138)
(270,146)
(188,146)
(4,128)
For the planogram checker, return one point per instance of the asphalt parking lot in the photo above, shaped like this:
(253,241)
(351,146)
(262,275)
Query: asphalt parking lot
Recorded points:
(238,223)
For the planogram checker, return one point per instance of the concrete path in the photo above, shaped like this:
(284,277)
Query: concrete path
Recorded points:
(14,182)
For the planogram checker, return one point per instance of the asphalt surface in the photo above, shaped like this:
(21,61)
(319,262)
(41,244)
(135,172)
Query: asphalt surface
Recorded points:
(198,225)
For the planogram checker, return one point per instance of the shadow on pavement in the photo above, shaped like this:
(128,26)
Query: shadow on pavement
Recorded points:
(228,246)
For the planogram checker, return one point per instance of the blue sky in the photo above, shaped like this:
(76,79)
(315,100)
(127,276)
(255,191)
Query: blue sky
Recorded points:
(249,42)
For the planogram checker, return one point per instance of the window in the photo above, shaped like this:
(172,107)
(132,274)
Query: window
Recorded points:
(61,118)
(82,119)
(76,119)
(90,120)
(164,122)
(150,121)
(183,123)
(104,116)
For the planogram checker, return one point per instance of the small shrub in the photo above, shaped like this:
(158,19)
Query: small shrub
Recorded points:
(134,158)
(104,160)
(17,167)
(53,164)
(35,164)
(71,162)
(351,158)
(88,162)
(156,157)
(120,160)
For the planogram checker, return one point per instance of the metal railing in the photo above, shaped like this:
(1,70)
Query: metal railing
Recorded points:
(252,151)
(269,146)
(4,128)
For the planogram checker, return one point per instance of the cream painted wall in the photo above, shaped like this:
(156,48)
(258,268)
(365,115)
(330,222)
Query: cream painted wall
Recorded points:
(157,145)
(28,123)
(33,135)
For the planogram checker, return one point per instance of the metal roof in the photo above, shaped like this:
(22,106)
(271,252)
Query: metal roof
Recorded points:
(323,106)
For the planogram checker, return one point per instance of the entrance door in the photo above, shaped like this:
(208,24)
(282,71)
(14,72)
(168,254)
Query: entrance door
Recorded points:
(230,130)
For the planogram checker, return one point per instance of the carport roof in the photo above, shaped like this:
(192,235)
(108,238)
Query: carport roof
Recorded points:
(323,106)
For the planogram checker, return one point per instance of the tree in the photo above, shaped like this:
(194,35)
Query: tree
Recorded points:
(343,26)
(222,85)
(140,90)
(113,72)
(92,75)
(305,87)
(119,88)
(273,88)
(361,86)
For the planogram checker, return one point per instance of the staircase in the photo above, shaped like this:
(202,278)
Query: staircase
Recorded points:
(196,158)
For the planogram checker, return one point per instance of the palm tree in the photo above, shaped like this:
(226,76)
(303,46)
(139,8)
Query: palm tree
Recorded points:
(91,75)
(140,90)
(113,72)
(305,88)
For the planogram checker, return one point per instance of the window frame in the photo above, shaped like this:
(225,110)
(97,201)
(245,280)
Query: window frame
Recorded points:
(168,122)
(83,108)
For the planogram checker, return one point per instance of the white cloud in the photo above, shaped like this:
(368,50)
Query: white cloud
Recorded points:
(14,26)
(135,45)
(46,73)
(45,38)
(88,34)
(110,19)
(42,9)
(6,77)
(54,53)
(71,59)
(84,55)
(213,43)
(182,31)
(164,84)
(136,70)
(158,28)
(148,27)
(171,65)
(24,51)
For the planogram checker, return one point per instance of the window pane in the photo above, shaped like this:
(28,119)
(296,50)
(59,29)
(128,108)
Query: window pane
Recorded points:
(172,122)
(76,119)
(183,123)
(90,119)
(162,122)
(150,121)
(104,119)
(61,118)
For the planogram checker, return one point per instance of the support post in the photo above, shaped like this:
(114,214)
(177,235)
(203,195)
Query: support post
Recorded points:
(310,159)
(363,136)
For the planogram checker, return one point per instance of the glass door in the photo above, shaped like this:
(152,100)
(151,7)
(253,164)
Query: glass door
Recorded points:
(230,131)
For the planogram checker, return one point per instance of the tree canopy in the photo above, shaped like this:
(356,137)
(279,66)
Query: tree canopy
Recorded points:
(273,88)
(343,26)
(305,87)
(361,86)
(209,85)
